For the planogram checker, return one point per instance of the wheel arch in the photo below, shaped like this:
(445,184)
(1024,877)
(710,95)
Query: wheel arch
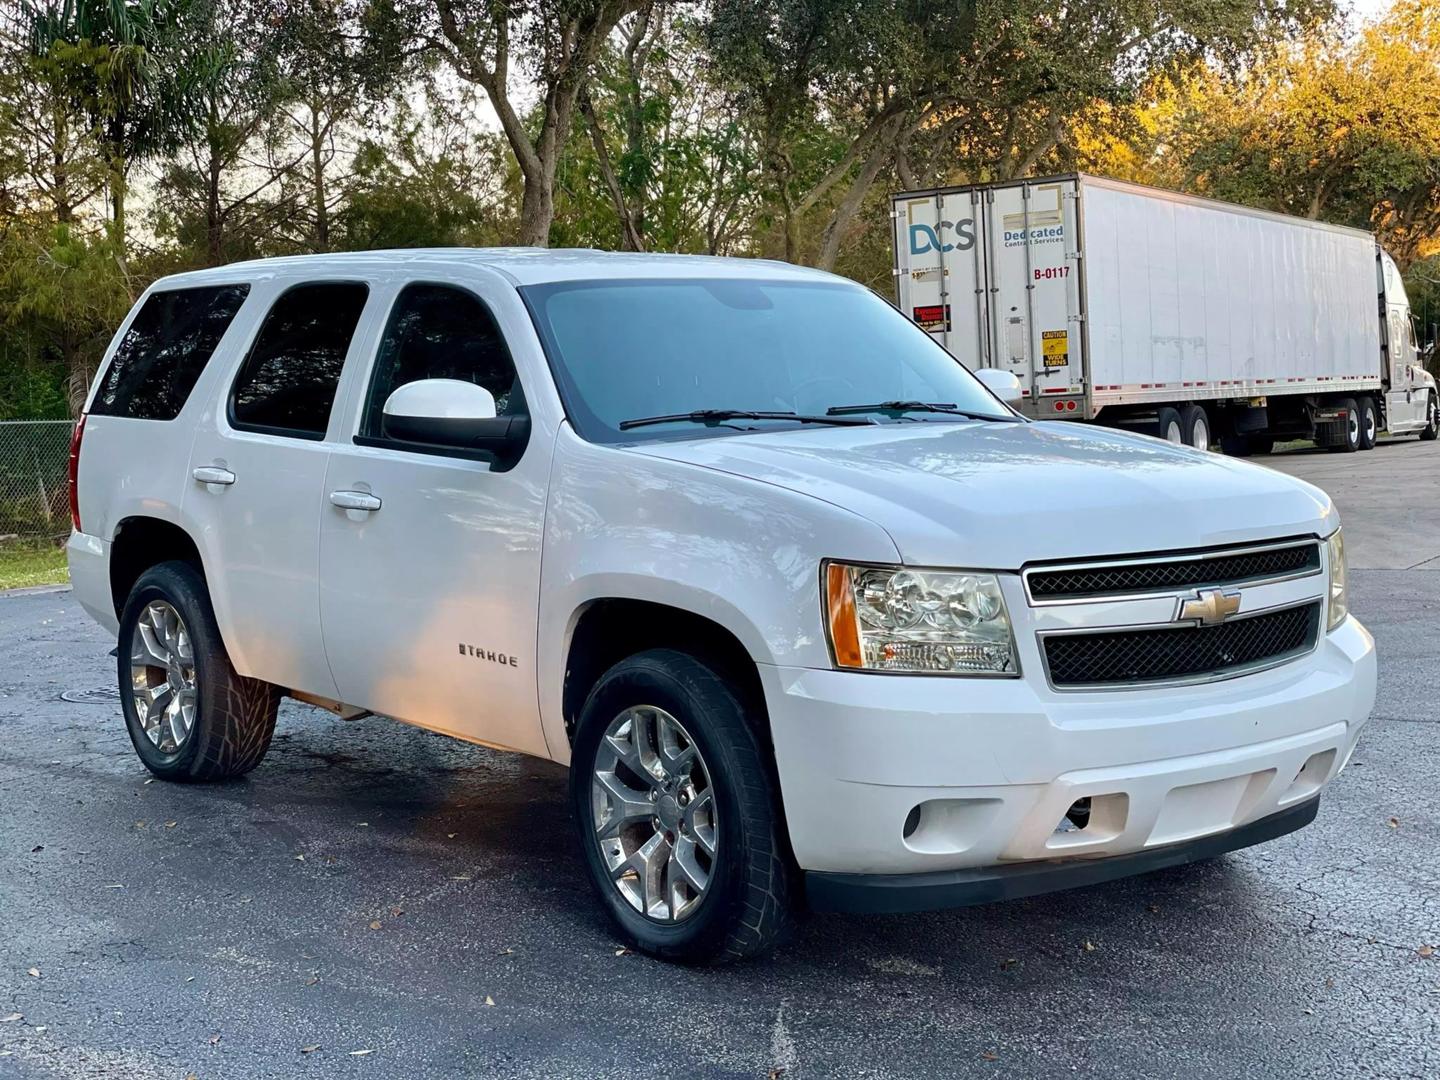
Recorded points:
(605,630)
(140,542)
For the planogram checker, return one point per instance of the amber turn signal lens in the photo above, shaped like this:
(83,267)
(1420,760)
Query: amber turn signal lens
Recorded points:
(840,603)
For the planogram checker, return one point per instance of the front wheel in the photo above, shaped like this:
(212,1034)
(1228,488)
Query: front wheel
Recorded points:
(677,812)
(1432,420)
(190,715)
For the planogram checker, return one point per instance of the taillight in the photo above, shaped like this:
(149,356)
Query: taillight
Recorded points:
(75,437)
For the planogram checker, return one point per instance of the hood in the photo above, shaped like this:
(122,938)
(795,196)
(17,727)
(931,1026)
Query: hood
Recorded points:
(999,495)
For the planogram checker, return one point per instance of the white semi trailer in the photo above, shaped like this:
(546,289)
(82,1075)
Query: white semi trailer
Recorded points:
(1195,320)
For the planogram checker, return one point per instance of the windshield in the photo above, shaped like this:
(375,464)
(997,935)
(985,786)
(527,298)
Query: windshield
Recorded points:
(639,349)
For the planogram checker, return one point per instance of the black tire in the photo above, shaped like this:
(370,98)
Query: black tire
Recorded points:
(1169,426)
(746,906)
(234,716)
(1347,441)
(1195,425)
(1432,420)
(1369,422)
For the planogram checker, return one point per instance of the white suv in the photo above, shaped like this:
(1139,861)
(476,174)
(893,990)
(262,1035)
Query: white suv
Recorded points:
(808,610)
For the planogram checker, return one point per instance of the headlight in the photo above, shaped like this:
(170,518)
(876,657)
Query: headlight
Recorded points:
(944,622)
(1339,593)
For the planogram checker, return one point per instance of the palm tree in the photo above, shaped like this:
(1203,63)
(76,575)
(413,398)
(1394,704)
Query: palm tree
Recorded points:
(125,57)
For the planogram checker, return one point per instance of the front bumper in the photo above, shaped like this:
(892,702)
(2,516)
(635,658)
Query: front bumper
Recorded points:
(902,775)
(873,894)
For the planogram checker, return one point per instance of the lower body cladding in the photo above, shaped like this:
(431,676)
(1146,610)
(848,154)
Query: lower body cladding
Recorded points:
(908,793)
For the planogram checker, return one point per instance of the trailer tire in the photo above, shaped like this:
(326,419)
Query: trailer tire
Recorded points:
(1168,426)
(1432,420)
(1369,423)
(1348,440)
(1195,423)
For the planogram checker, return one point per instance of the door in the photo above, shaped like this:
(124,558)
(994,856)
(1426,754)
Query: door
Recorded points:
(1406,408)
(257,469)
(938,271)
(1033,285)
(430,596)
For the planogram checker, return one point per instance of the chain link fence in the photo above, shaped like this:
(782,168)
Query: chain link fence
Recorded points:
(34,500)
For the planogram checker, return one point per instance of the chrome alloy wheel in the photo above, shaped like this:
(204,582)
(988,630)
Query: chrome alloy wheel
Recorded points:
(162,676)
(654,813)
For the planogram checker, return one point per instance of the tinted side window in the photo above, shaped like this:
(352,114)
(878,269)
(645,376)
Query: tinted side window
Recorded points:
(159,360)
(287,384)
(439,332)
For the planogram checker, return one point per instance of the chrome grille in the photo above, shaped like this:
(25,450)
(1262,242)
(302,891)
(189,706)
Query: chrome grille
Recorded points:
(1180,653)
(1089,581)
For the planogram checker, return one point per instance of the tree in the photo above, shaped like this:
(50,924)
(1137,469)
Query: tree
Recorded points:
(561,41)
(219,181)
(121,58)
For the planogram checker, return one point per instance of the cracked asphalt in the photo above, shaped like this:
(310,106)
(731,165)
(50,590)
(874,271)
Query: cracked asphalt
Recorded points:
(378,902)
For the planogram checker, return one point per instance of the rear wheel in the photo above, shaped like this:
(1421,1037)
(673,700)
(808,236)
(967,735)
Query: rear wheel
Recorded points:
(1432,420)
(1369,422)
(1168,425)
(677,812)
(190,715)
(1196,427)
(1348,440)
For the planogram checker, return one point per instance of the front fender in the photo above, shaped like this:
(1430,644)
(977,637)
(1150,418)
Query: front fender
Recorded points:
(742,553)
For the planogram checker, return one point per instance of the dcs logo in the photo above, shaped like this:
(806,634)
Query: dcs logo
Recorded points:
(923,238)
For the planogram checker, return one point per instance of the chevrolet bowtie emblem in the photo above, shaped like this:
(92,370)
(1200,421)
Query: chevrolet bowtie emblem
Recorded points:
(1210,607)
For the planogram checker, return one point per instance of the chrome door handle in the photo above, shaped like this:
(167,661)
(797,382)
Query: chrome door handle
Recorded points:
(213,474)
(355,500)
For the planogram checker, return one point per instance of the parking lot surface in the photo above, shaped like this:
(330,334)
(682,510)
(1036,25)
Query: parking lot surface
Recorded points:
(375,901)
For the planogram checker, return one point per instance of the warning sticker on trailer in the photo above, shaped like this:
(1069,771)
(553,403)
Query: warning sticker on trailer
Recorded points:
(1055,347)
(933,317)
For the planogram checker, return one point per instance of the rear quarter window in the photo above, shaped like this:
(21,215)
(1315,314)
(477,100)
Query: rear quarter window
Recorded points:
(165,350)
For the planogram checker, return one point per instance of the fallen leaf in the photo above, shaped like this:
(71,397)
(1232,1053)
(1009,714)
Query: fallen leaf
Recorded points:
(397,911)
(375,925)
(189,978)
(140,824)
(622,951)
(461,877)
(171,824)
(1308,1012)
(37,848)
(450,835)
(1008,963)
(299,858)
(507,951)
(214,1040)
(1426,951)
(360,1053)
(114,886)
(147,782)
(34,973)
(41,1029)
(1329,984)
(776,1073)
(1394,823)
(309,1049)
(489,1000)
(1089,947)
(363,824)
(989,1055)
(11,1018)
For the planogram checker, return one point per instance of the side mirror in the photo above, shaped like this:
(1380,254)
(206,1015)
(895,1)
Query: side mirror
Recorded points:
(1003,384)
(453,414)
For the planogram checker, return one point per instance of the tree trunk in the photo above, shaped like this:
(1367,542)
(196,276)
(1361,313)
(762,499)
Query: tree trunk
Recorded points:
(844,214)
(321,240)
(537,211)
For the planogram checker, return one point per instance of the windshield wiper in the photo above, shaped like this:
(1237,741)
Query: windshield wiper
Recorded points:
(912,406)
(716,416)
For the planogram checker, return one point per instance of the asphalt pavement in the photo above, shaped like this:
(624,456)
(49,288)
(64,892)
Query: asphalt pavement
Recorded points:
(379,902)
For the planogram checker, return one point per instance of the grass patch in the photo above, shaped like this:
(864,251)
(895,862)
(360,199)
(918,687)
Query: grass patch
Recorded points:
(22,567)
